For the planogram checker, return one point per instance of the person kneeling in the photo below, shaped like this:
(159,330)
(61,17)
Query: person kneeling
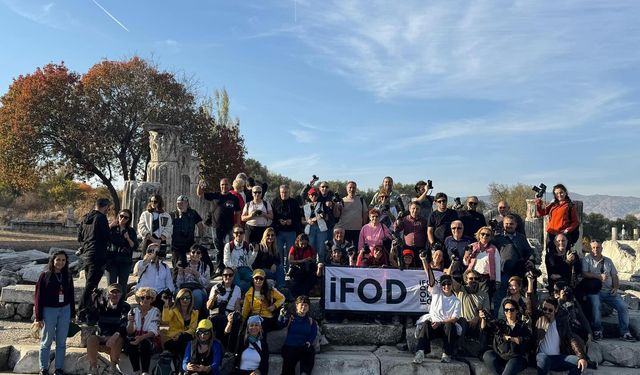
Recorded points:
(203,355)
(112,325)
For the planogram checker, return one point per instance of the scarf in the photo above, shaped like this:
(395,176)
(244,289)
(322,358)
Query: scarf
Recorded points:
(491,252)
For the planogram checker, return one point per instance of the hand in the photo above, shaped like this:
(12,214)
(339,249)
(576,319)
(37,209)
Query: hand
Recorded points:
(271,308)
(614,291)
(435,325)
(40,324)
(481,314)
(538,201)
(515,340)
(571,258)
(589,338)
(126,235)
(131,317)
(320,266)
(603,277)
(230,318)
(192,367)
(137,340)
(307,344)
(273,268)
(582,364)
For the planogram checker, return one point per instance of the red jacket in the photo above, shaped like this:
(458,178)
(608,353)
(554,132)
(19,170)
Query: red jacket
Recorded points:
(561,217)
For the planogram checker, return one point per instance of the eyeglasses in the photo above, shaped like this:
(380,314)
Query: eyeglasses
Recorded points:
(258,278)
(513,309)
(186,298)
(238,232)
(227,275)
(485,234)
(203,333)
(124,217)
(456,228)
(114,292)
(446,283)
(441,201)
(472,203)
(471,279)
(549,310)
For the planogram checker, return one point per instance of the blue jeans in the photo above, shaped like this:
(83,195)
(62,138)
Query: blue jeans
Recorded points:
(499,366)
(316,240)
(613,300)
(56,326)
(561,362)
(118,272)
(199,296)
(500,293)
(285,241)
(278,276)
(243,278)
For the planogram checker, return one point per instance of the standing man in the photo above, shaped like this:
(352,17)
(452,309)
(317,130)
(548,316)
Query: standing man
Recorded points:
(503,210)
(414,229)
(439,225)
(352,213)
(596,266)
(394,197)
(325,197)
(94,235)
(514,253)
(455,246)
(185,221)
(472,219)
(286,222)
(223,216)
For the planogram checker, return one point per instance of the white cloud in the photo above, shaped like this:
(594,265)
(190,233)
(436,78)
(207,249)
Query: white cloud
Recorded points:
(294,164)
(41,12)
(303,136)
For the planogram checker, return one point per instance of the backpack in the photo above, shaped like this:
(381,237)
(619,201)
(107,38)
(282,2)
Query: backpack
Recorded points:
(163,367)
(573,236)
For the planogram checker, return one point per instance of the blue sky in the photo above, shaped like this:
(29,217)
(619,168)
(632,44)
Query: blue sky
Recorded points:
(464,93)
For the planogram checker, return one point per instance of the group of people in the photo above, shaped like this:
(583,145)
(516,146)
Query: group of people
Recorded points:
(477,272)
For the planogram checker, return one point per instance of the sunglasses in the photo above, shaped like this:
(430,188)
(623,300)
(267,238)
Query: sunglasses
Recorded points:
(238,233)
(196,252)
(148,298)
(472,203)
(513,309)
(153,201)
(258,278)
(456,228)
(471,279)
(441,201)
(124,217)
(323,187)
(227,275)
(446,283)
(485,234)
(186,298)
(203,333)
(549,310)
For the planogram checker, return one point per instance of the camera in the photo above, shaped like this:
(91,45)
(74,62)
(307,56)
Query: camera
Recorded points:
(315,177)
(540,190)
(366,250)
(495,226)
(258,212)
(429,185)
(221,289)
(532,270)
(401,214)
(336,197)
(455,255)
(458,203)
(351,250)
(162,250)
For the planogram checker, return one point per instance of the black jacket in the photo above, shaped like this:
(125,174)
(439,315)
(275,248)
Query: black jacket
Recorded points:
(264,356)
(514,253)
(289,209)
(508,349)
(94,234)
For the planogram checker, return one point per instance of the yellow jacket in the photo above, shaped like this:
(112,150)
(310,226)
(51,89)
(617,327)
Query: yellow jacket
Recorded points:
(173,318)
(254,306)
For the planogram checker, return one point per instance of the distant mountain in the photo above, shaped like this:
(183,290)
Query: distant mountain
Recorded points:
(611,207)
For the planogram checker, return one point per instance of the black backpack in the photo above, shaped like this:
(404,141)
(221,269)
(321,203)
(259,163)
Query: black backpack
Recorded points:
(163,367)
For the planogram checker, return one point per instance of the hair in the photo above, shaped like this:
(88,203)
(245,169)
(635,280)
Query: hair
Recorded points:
(457,221)
(301,237)
(382,192)
(150,206)
(477,235)
(271,248)
(237,227)
(415,203)
(467,272)
(374,211)
(388,177)
(242,176)
(51,268)
(303,299)
(441,195)
(181,293)
(517,279)
(512,217)
(418,185)
(205,260)
(552,301)
(238,184)
(508,301)
(351,182)
(265,291)
(128,223)
(284,186)
(473,197)
(563,188)
(145,291)
(338,229)
(102,202)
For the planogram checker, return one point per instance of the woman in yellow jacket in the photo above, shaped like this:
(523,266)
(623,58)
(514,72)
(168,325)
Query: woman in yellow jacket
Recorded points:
(182,320)
(262,300)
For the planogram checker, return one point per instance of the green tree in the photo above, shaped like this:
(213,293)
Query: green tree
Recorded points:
(596,226)
(516,195)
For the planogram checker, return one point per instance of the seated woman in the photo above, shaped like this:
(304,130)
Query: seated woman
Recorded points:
(203,355)
(225,300)
(299,344)
(182,319)
(484,258)
(252,358)
(302,262)
(143,335)
(511,338)
(268,258)
(153,273)
(155,225)
(262,300)
(239,255)
(514,293)
(194,276)
(375,258)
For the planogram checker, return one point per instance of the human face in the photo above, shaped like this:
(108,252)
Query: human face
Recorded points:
(596,249)
(484,237)
(313,197)
(441,204)
(225,186)
(258,281)
(203,334)
(336,256)
(196,255)
(284,193)
(58,262)
(559,194)
(302,308)
(377,252)
(503,209)
(387,184)
(414,210)
(446,287)
(509,225)
(227,276)
(513,288)
(257,194)
(374,218)
(182,205)
(471,278)
(457,229)
(338,236)
(238,234)
(155,202)
(510,311)
(303,243)
(324,188)
(561,243)
(407,259)
(351,189)
(145,300)
(114,296)
(437,257)
(123,218)
(549,311)
(254,329)
(270,236)
(472,204)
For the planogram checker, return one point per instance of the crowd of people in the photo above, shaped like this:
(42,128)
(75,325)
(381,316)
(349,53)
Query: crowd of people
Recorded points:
(482,277)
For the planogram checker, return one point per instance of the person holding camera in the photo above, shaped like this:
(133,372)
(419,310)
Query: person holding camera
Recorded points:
(302,266)
(515,293)
(119,255)
(286,221)
(143,331)
(563,217)
(439,224)
(568,305)
(595,266)
(182,320)
(185,222)
(388,213)
(315,222)
(473,302)
(455,247)
(225,298)
(262,300)
(194,275)
(392,197)
(153,273)
(339,251)
(376,258)
(441,320)
(252,357)
(326,197)
(54,307)
(302,331)
(561,263)
(268,258)
(510,342)
(239,255)
(414,229)
(256,215)
(424,198)
(155,225)
(203,355)
(352,212)
(112,330)
(485,259)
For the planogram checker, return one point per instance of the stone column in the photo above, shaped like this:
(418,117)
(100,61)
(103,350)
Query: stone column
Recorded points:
(163,167)
(136,195)
(614,234)
(534,228)
(70,222)
(636,234)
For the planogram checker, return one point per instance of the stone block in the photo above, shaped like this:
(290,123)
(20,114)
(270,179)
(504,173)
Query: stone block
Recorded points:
(5,353)
(362,334)
(7,310)
(412,343)
(347,363)
(85,332)
(401,363)
(610,324)
(349,348)
(24,359)
(621,353)
(275,340)
(18,293)
(594,351)
(632,298)
(25,310)
(479,368)
(31,273)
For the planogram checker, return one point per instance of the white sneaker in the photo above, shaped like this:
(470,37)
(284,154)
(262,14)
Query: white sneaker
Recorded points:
(419,357)
(445,358)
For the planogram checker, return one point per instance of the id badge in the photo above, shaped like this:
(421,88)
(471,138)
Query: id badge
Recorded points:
(61,296)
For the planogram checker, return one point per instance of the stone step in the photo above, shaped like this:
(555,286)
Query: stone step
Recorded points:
(362,334)
(610,325)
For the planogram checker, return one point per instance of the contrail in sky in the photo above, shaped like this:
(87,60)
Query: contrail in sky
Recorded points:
(110,15)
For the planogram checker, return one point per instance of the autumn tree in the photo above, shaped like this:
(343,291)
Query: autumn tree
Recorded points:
(516,195)
(92,123)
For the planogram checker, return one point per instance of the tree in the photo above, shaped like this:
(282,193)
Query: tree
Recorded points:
(92,123)
(596,226)
(516,195)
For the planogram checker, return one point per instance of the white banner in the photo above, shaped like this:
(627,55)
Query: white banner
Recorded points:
(376,290)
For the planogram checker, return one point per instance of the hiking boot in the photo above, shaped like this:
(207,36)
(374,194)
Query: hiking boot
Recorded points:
(43,372)
(58,372)
(597,335)
(419,357)
(445,358)
(628,337)
(93,370)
